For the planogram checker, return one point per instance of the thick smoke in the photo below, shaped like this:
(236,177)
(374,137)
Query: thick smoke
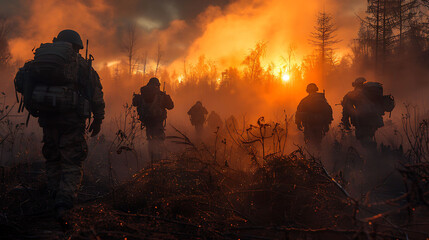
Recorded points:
(203,48)
(224,32)
(105,23)
(198,41)
(236,29)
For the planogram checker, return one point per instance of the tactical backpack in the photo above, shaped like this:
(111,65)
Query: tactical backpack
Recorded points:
(388,103)
(149,112)
(374,92)
(137,102)
(50,82)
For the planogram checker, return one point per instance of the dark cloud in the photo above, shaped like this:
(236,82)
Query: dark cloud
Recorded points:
(155,22)
(10,8)
(174,24)
(107,22)
(163,11)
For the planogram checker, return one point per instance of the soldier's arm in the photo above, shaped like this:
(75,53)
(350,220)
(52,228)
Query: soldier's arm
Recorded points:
(97,101)
(20,78)
(345,120)
(331,118)
(298,114)
(191,110)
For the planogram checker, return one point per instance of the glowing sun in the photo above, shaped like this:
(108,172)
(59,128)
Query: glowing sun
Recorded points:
(285,77)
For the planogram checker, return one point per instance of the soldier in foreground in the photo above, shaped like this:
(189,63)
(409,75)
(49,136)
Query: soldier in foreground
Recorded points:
(152,105)
(62,89)
(314,114)
(198,115)
(364,108)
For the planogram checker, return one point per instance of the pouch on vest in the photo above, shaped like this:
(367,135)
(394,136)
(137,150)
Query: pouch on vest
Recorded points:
(54,99)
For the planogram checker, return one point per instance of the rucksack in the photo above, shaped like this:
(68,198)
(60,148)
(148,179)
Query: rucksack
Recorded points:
(137,102)
(50,82)
(388,103)
(149,111)
(374,92)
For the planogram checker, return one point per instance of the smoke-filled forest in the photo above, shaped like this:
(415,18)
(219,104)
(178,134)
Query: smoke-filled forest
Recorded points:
(248,170)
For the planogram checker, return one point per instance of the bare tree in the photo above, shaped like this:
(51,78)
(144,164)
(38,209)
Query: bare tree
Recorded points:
(324,34)
(144,63)
(130,47)
(290,55)
(381,20)
(404,12)
(253,60)
(373,20)
(4,45)
(324,37)
(158,58)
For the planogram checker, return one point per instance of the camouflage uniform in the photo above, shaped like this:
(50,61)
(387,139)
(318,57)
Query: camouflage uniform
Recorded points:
(315,115)
(198,115)
(153,120)
(65,147)
(363,114)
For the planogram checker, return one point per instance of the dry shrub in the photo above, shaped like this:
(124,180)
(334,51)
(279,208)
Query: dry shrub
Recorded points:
(192,195)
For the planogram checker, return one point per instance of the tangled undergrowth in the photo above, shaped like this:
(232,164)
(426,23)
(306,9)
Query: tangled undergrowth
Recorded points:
(200,199)
(191,196)
(194,194)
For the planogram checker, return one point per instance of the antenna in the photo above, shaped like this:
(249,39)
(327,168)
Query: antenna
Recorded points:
(86,53)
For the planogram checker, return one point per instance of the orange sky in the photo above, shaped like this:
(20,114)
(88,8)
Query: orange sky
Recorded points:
(226,35)
(230,34)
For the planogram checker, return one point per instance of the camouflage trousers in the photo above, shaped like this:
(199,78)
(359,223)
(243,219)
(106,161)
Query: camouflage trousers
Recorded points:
(65,149)
(155,136)
(366,135)
(199,128)
(313,136)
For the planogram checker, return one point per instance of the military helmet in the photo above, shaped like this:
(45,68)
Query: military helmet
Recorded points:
(154,81)
(312,88)
(70,36)
(359,81)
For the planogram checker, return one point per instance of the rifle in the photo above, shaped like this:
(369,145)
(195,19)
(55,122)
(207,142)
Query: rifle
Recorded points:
(163,90)
(89,90)
(86,52)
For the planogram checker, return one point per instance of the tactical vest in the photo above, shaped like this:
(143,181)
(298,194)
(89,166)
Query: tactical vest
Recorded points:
(316,111)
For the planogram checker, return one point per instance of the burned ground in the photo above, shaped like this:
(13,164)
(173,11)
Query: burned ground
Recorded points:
(196,194)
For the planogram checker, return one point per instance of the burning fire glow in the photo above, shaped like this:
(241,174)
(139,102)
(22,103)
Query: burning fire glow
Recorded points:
(180,78)
(285,77)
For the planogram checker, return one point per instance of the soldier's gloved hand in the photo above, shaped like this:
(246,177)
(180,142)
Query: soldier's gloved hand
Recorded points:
(299,127)
(95,127)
